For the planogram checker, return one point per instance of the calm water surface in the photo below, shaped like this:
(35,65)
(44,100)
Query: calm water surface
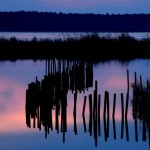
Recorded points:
(111,76)
(65,35)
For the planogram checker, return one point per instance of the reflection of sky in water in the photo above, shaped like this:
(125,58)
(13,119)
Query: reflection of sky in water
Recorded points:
(65,35)
(14,80)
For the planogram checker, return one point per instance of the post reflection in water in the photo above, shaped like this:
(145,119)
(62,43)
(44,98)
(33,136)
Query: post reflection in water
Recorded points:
(51,93)
(140,107)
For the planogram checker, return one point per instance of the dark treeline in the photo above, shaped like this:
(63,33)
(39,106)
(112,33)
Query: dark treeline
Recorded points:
(59,22)
(88,47)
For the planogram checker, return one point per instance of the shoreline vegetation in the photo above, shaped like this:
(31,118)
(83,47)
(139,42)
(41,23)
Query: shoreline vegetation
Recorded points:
(89,47)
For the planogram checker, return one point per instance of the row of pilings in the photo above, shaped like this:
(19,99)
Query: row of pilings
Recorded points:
(51,94)
(95,106)
(71,75)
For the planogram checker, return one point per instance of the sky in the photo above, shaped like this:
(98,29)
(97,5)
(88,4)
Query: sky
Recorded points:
(78,6)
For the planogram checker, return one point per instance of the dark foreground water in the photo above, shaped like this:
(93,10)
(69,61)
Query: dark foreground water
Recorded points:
(57,106)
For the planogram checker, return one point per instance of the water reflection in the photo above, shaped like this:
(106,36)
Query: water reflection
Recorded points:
(140,107)
(51,94)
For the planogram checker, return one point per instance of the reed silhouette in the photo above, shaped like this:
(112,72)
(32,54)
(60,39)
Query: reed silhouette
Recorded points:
(140,107)
(90,47)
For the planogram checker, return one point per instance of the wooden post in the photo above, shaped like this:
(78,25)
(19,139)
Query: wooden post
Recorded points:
(136,130)
(144,130)
(84,104)
(135,80)
(95,116)
(126,119)
(90,110)
(84,122)
(105,128)
(127,131)
(113,116)
(74,113)
(99,125)
(127,81)
(122,122)
(114,105)
(107,114)
(105,102)
(126,109)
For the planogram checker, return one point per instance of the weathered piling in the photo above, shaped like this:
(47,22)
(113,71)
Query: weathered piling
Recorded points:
(114,106)
(84,104)
(144,130)
(136,129)
(27,107)
(99,106)
(122,112)
(135,107)
(95,116)
(105,128)
(74,113)
(84,122)
(83,114)
(135,79)
(90,117)
(107,114)
(127,81)
(50,119)
(126,119)
(64,114)
(114,127)
(113,116)
(126,108)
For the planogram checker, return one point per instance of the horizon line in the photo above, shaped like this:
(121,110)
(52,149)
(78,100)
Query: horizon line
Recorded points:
(36,11)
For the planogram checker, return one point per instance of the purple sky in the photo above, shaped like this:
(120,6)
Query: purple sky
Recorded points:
(78,6)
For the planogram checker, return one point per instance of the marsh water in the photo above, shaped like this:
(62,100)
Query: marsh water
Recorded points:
(42,105)
(61,104)
(65,35)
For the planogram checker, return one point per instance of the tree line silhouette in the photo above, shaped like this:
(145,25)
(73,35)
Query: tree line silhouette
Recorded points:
(59,22)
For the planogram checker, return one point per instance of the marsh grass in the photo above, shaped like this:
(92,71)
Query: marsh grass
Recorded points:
(141,106)
(91,47)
